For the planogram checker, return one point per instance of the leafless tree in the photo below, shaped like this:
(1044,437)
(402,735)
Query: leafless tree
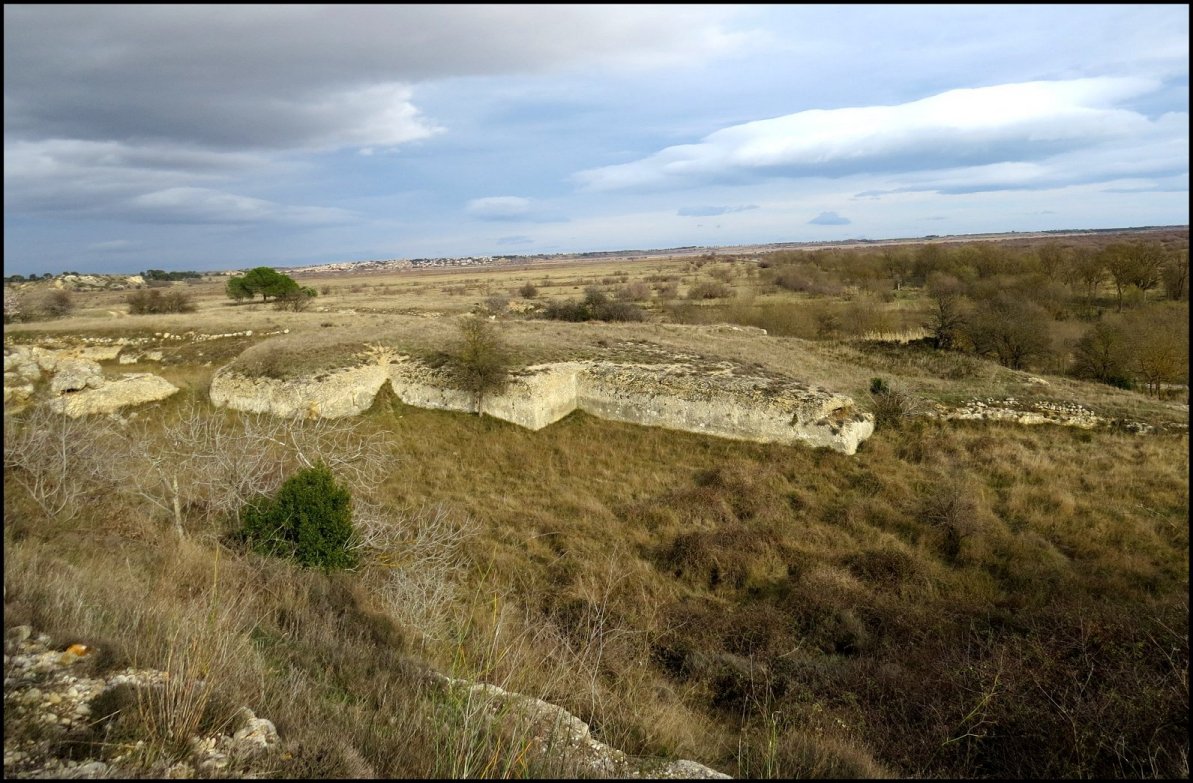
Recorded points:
(419,557)
(57,459)
(211,463)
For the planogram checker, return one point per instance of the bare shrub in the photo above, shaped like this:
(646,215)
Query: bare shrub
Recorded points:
(951,506)
(722,273)
(667,289)
(709,290)
(637,291)
(497,304)
(152,301)
(295,299)
(207,464)
(893,407)
(57,304)
(57,459)
(421,554)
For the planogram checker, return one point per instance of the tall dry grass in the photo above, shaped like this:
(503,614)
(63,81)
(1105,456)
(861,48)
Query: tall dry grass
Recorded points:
(930,605)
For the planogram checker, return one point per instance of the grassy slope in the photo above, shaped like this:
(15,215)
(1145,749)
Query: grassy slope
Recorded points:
(760,608)
(956,599)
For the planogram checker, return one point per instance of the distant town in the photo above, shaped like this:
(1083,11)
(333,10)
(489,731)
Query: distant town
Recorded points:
(158,276)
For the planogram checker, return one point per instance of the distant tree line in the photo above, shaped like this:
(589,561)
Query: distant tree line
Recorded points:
(29,279)
(1006,301)
(161,274)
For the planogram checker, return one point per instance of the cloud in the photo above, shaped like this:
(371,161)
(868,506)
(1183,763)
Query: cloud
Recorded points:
(499,208)
(516,239)
(204,205)
(511,208)
(291,77)
(712,211)
(155,183)
(829,219)
(984,125)
(70,175)
(113,245)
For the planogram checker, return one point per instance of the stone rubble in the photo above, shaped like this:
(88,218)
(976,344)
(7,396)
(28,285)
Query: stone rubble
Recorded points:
(46,702)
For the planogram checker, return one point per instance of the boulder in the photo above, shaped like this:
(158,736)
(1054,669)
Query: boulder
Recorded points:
(114,394)
(76,374)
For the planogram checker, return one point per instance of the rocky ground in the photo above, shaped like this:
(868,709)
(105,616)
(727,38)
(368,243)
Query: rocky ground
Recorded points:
(62,722)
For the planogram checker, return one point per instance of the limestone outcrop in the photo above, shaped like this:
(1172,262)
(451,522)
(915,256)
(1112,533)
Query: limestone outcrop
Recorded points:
(76,374)
(76,380)
(561,734)
(720,399)
(52,710)
(112,394)
(331,395)
(50,704)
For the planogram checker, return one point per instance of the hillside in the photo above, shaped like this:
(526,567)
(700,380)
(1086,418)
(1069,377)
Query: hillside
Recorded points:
(993,584)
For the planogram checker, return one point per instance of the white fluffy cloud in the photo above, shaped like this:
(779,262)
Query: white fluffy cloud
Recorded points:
(512,208)
(1010,122)
(499,208)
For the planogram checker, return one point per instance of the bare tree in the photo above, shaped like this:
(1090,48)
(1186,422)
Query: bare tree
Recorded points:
(947,317)
(1158,343)
(1014,331)
(57,459)
(1175,274)
(1087,268)
(1136,264)
(211,463)
(419,555)
(481,361)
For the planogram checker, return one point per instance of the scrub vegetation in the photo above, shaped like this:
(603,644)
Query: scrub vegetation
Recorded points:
(958,599)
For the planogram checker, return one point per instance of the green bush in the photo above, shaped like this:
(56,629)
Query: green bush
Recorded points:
(310,521)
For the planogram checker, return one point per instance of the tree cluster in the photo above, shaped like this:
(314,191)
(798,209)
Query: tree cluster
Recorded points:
(161,274)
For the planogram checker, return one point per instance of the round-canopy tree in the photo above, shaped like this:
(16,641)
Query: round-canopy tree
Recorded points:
(261,280)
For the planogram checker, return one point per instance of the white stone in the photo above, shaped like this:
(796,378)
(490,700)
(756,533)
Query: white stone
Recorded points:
(131,389)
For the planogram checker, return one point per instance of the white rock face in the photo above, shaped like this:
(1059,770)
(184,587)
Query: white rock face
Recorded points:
(331,395)
(725,403)
(113,394)
(720,400)
(717,402)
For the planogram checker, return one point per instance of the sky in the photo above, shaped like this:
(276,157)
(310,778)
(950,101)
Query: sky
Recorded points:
(222,137)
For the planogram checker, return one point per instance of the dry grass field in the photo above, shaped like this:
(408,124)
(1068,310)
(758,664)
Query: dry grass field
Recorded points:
(958,599)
